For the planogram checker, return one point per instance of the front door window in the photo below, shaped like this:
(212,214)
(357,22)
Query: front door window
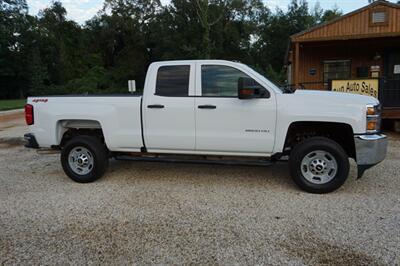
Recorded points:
(220,81)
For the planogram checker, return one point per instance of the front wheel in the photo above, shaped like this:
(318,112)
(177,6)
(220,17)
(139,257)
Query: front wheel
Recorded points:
(319,165)
(84,159)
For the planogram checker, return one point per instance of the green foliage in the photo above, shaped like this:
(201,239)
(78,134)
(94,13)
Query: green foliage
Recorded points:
(276,76)
(49,54)
(329,15)
(12,104)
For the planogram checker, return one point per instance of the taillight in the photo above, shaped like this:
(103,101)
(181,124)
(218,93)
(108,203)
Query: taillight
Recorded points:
(29,114)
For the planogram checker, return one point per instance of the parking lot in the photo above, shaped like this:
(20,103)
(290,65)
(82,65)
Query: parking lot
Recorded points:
(160,213)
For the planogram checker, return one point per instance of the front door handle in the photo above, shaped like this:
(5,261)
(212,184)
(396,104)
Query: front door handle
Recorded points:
(155,106)
(207,106)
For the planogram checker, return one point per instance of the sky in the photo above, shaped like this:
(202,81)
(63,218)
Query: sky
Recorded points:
(82,10)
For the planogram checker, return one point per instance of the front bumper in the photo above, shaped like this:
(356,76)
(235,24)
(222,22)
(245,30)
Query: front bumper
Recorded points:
(370,150)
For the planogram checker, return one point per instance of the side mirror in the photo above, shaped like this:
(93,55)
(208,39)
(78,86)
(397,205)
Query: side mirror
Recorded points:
(248,88)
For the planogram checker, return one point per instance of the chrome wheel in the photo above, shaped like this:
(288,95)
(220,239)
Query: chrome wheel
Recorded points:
(80,160)
(319,167)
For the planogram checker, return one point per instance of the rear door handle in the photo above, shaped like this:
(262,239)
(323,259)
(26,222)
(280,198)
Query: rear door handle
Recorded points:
(155,106)
(207,106)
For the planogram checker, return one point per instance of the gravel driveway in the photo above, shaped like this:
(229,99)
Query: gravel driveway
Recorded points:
(159,213)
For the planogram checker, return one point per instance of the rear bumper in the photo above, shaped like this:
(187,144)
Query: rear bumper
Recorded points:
(370,150)
(30,141)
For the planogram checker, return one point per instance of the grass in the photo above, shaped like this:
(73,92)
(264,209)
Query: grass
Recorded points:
(12,104)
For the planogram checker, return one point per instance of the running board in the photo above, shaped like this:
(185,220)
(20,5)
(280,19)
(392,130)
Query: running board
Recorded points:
(43,151)
(194,161)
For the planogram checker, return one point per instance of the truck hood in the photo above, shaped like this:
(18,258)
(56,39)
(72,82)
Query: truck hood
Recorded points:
(324,106)
(336,97)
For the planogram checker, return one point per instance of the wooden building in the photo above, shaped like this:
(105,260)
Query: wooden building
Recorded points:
(358,52)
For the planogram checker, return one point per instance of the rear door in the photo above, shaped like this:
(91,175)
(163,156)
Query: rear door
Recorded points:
(226,124)
(168,108)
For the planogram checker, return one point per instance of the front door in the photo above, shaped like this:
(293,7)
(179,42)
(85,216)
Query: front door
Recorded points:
(226,124)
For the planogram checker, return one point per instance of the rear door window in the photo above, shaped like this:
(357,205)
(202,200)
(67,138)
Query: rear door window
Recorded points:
(173,80)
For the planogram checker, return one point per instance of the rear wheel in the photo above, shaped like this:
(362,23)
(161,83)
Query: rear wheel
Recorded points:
(319,165)
(84,159)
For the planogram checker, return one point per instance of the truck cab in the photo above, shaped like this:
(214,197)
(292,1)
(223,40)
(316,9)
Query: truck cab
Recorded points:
(195,107)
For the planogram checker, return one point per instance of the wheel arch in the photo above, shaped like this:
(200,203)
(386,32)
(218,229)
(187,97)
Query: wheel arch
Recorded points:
(342,133)
(69,128)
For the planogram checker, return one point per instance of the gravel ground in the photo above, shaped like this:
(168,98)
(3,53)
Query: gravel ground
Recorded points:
(12,125)
(159,213)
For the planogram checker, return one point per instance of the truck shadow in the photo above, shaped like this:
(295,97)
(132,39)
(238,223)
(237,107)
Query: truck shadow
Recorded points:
(273,175)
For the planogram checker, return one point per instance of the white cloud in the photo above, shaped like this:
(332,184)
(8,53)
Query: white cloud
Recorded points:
(77,10)
(165,2)
(274,4)
(82,10)
(36,5)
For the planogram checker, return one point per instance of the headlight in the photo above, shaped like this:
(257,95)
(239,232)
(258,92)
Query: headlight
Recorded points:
(373,114)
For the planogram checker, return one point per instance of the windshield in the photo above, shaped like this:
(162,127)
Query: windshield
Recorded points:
(282,88)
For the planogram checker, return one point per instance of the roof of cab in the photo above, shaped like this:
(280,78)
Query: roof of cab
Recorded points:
(195,61)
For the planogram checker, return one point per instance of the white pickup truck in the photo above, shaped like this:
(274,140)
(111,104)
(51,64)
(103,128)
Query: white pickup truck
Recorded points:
(212,111)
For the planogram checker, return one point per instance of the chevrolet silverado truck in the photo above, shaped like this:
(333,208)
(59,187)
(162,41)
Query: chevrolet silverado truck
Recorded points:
(212,111)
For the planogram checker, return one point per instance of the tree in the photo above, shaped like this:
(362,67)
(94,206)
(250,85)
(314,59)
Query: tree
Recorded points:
(204,10)
(274,35)
(13,25)
(270,48)
(331,14)
(49,54)
(120,36)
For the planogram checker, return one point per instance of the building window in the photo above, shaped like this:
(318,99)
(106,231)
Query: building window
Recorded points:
(378,17)
(336,69)
(173,81)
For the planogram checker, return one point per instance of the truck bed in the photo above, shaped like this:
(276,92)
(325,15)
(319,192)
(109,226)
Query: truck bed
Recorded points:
(118,116)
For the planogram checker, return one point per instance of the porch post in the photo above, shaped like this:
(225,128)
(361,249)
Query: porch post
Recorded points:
(296,64)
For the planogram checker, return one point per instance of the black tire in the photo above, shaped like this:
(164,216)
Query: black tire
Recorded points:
(100,158)
(306,147)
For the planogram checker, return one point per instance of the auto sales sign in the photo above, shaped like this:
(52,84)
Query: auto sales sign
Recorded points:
(368,87)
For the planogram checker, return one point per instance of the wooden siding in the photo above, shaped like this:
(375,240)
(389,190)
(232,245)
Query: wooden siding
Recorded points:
(355,25)
(359,52)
